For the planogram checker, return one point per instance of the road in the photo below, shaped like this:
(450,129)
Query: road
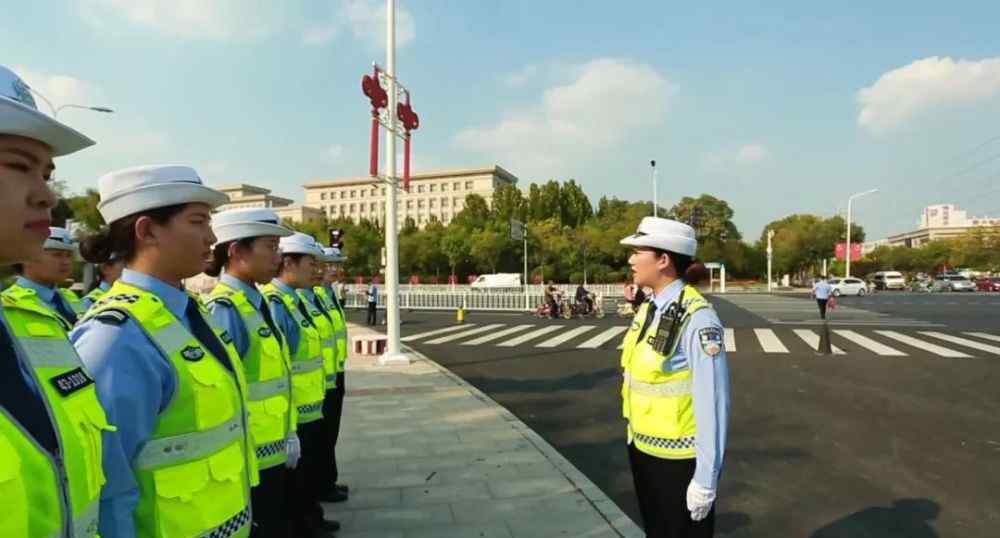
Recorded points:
(883,422)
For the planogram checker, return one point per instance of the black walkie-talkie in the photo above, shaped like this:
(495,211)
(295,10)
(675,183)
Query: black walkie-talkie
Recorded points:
(666,334)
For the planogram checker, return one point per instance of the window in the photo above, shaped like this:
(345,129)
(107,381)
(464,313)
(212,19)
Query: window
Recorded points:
(420,204)
(409,204)
(374,190)
(353,193)
(341,195)
(455,186)
(420,219)
(352,209)
(432,187)
(340,210)
(468,185)
(322,196)
(420,188)
(372,207)
(444,202)
(444,187)
(430,203)
(361,193)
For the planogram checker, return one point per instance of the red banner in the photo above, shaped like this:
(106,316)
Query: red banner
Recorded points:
(841,249)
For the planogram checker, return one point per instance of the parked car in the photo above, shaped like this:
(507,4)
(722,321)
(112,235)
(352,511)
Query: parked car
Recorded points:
(848,286)
(497,281)
(952,282)
(988,284)
(889,280)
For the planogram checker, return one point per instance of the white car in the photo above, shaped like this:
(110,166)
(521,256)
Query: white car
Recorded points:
(848,286)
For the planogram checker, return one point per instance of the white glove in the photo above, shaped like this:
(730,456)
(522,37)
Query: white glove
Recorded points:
(699,500)
(294,450)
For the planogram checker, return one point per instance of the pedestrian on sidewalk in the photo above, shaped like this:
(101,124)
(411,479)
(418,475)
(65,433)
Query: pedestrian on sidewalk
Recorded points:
(675,394)
(372,303)
(821,291)
(248,254)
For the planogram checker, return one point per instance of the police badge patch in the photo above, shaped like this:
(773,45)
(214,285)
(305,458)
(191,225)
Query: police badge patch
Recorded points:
(711,340)
(226,339)
(192,353)
(264,332)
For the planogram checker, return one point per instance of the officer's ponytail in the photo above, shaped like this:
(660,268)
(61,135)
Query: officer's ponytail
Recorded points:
(688,268)
(118,239)
(220,255)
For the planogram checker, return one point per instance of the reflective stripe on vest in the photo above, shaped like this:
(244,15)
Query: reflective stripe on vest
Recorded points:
(339,325)
(325,325)
(78,307)
(195,471)
(47,494)
(268,372)
(659,405)
(308,382)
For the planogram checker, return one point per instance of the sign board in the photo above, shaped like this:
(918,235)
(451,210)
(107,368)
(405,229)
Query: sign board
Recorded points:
(713,265)
(516,230)
(841,249)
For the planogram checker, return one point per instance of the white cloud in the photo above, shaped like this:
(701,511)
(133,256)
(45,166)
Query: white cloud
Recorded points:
(743,156)
(924,85)
(195,19)
(367,19)
(333,154)
(320,34)
(608,101)
(59,89)
(521,77)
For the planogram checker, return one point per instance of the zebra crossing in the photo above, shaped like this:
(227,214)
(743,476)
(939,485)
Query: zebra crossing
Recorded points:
(740,341)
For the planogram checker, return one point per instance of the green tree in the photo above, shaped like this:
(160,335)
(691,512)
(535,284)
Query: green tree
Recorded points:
(84,210)
(455,246)
(485,248)
(474,215)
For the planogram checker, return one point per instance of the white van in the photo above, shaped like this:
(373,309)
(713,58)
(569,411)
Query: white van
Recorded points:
(498,280)
(889,280)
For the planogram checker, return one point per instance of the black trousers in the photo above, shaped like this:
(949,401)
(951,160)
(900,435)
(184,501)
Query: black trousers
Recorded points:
(372,313)
(304,482)
(268,503)
(333,409)
(822,307)
(661,487)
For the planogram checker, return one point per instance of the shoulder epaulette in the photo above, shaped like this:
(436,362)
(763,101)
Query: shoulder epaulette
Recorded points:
(113,316)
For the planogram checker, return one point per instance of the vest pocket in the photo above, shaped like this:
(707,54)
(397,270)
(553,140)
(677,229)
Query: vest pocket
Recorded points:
(195,497)
(308,388)
(14,517)
(267,419)
(213,403)
(89,422)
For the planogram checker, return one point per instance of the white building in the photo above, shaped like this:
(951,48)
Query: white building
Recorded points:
(942,221)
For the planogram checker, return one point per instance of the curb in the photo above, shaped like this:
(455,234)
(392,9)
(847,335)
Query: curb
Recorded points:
(617,520)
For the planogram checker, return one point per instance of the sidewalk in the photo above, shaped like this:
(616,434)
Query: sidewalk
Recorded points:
(429,456)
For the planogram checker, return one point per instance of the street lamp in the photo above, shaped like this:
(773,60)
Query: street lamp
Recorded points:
(847,254)
(770,256)
(652,164)
(55,110)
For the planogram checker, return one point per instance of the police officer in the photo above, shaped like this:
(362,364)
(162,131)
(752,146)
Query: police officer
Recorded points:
(107,274)
(676,386)
(248,254)
(333,405)
(292,315)
(39,279)
(50,418)
(181,462)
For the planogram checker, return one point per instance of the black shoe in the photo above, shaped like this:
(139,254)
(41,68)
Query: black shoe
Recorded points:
(334,496)
(330,525)
(342,488)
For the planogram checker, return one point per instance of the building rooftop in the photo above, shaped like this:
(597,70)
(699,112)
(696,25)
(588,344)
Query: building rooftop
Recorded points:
(437,174)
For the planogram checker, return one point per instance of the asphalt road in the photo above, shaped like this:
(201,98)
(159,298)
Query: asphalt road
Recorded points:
(884,422)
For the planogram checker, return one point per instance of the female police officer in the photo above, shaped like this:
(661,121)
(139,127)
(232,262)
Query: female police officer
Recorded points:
(50,417)
(675,392)
(181,463)
(333,409)
(39,279)
(107,274)
(248,254)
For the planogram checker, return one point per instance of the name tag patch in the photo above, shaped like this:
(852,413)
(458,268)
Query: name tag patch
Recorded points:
(711,340)
(226,339)
(71,381)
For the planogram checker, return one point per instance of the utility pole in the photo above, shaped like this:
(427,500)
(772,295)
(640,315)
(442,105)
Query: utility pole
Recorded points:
(652,164)
(770,256)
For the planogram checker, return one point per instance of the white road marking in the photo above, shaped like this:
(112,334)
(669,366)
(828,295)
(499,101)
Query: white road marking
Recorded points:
(463,334)
(418,336)
(964,342)
(558,339)
(872,345)
(603,337)
(985,336)
(730,342)
(529,336)
(769,341)
(813,340)
(926,346)
(497,335)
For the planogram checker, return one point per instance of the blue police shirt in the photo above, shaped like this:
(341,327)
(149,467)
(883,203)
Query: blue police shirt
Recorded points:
(284,319)
(822,289)
(229,318)
(710,386)
(135,383)
(89,302)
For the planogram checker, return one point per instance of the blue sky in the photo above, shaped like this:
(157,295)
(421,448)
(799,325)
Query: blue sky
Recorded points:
(777,107)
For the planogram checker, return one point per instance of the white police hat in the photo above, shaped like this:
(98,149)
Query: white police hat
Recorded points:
(334,255)
(663,234)
(19,116)
(237,224)
(134,190)
(300,243)
(60,239)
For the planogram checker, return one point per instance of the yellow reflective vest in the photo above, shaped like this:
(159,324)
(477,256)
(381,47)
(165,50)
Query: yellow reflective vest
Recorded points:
(308,381)
(325,325)
(339,326)
(196,470)
(77,304)
(657,404)
(43,494)
(269,380)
